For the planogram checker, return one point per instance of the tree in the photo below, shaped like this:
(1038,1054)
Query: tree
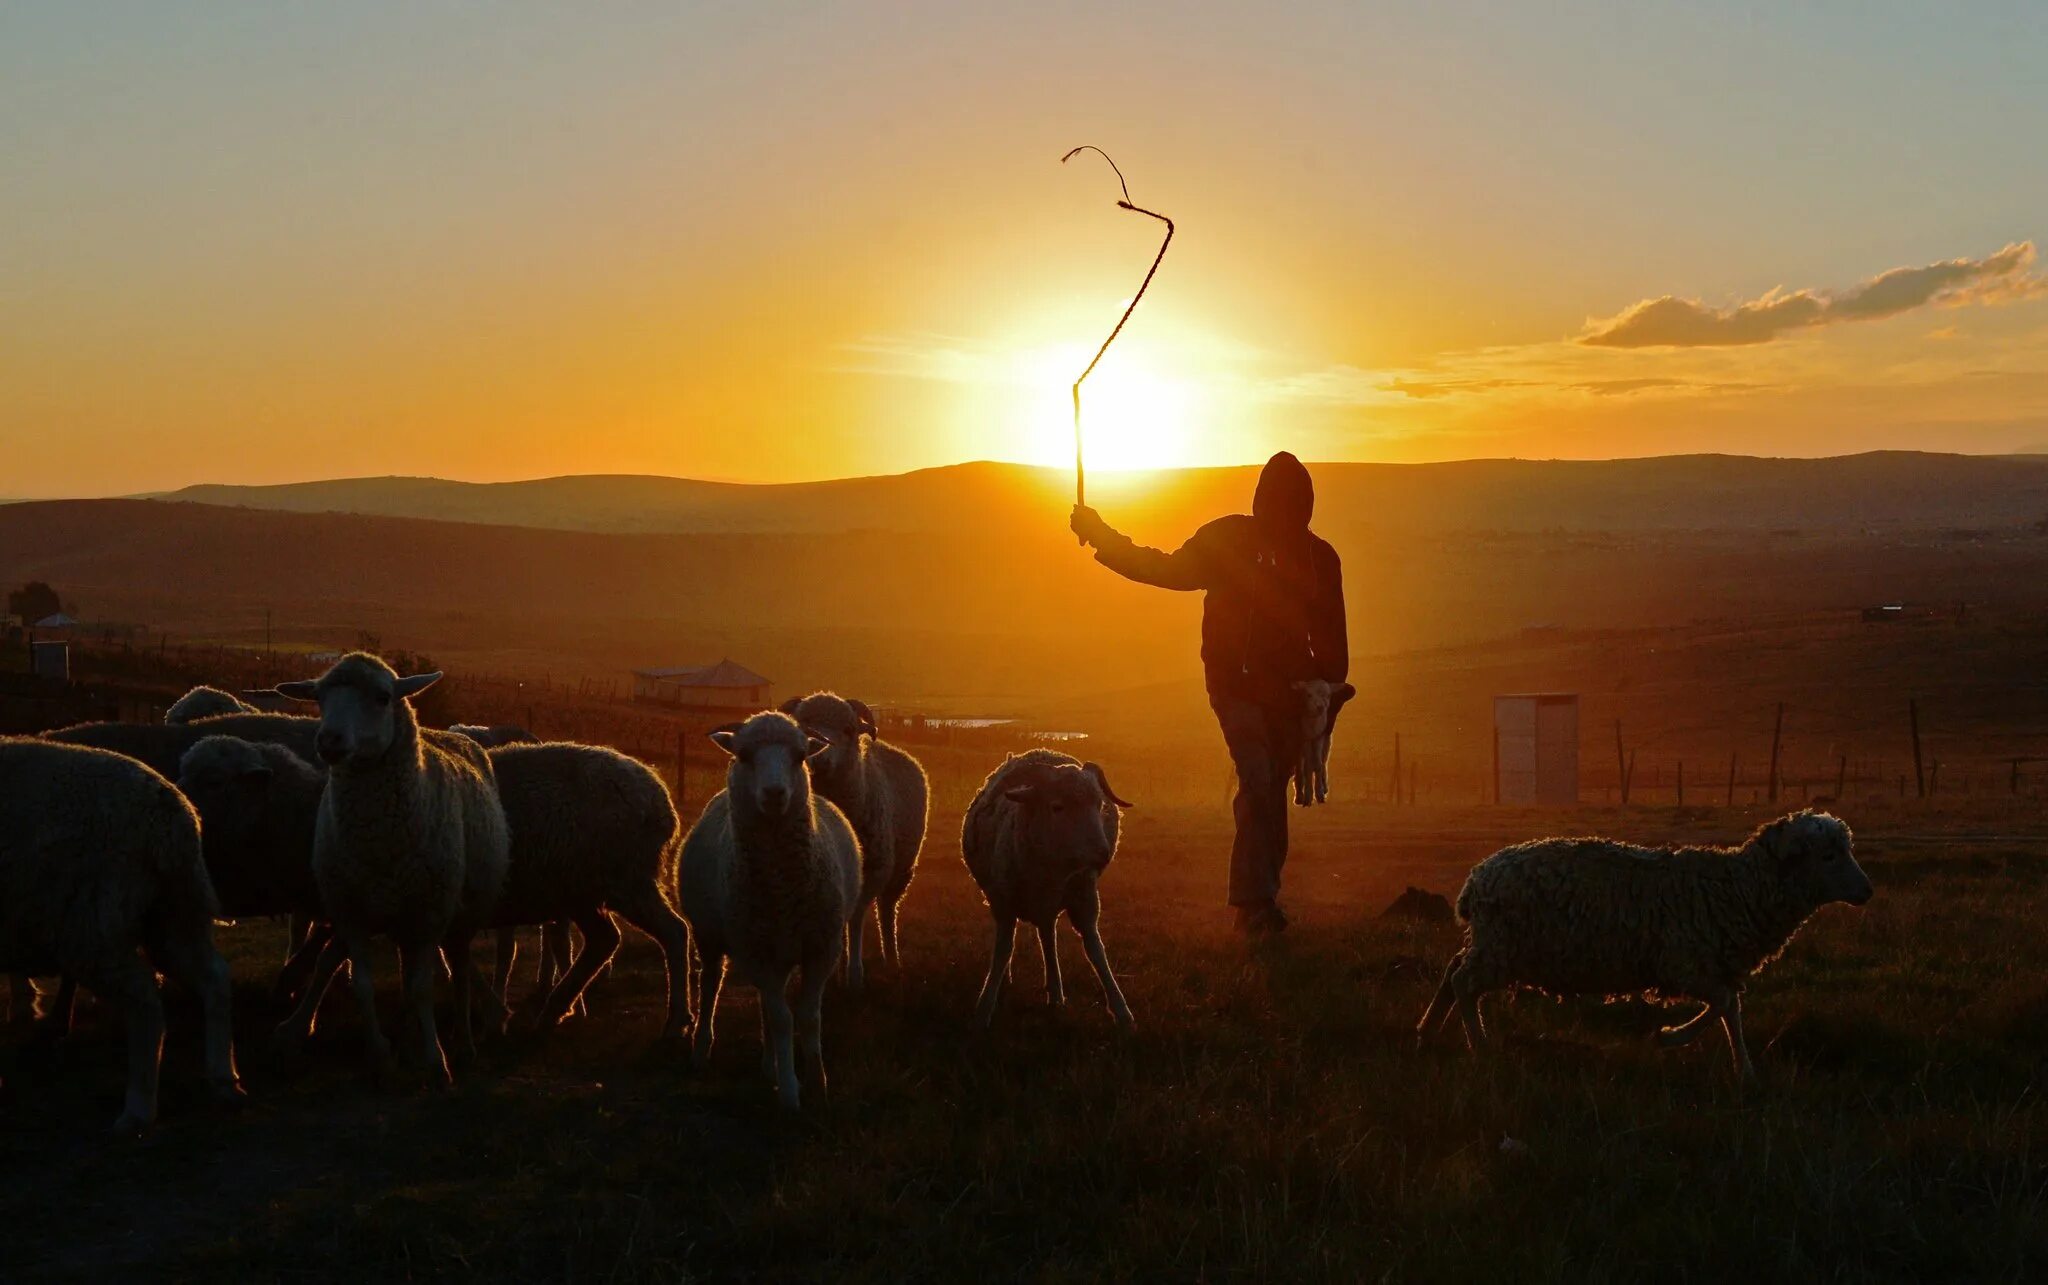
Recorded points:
(33,601)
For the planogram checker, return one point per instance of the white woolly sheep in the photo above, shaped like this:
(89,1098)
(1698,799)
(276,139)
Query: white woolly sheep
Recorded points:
(770,879)
(1037,837)
(494,735)
(1600,917)
(205,702)
(883,792)
(99,866)
(411,842)
(1321,702)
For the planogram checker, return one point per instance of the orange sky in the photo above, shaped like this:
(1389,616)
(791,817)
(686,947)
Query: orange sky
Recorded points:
(767,244)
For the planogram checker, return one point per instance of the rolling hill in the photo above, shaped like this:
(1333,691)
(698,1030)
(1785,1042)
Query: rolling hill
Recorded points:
(1879,491)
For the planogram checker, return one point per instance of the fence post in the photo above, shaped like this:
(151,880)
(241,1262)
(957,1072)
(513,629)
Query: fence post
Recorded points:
(1731,780)
(1620,764)
(1394,790)
(1681,783)
(1841,779)
(1777,735)
(1913,716)
(682,765)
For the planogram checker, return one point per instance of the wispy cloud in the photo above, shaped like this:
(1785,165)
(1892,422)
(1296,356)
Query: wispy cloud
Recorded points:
(1672,322)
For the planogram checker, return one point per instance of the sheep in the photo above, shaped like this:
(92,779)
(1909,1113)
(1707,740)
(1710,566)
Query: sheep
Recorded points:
(1321,702)
(411,842)
(554,944)
(1600,917)
(1037,837)
(770,879)
(100,865)
(205,702)
(495,735)
(883,792)
(258,805)
(593,832)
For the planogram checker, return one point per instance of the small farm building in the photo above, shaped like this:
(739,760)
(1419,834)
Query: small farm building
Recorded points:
(726,685)
(1536,748)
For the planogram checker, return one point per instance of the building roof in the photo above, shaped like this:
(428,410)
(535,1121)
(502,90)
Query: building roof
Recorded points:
(57,621)
(725,673)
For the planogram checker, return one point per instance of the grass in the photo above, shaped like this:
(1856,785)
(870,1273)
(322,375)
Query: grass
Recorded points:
(1270,1119)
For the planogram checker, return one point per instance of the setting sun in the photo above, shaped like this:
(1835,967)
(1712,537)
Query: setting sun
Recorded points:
(1133,416)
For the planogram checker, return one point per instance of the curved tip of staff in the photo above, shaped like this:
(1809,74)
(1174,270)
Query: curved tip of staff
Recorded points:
(1073,153)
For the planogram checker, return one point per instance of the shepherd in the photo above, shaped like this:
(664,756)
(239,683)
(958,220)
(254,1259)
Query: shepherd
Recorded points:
(1273,616)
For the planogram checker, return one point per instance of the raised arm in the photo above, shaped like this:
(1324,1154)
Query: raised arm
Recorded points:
(1185,568)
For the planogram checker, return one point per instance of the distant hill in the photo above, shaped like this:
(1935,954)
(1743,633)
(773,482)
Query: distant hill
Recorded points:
(1879,491)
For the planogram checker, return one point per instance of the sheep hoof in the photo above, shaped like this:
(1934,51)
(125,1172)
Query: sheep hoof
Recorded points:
(228,1096)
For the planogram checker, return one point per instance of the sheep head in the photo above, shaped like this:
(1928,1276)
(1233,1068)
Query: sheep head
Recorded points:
(363,713)
(841,724)
(770,753)
(1815,856)
(1070,809)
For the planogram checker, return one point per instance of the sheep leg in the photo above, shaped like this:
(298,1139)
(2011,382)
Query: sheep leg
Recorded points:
(59,1010)
(600,943)
(778,1036)
(362,980)
(1468,984)
(463,1041)
(1085,912)
(1439,1010)
(1048,949)
(810,1019)
(131,984)
(22,997)
(200,969)
(504,960)
(293,1030)
(419,965)
(1322,772)
(1731,1022)
(299,967)
(710,980)
(998,969)
(885,920)
(652,914)
(1686,1032)
(856,968)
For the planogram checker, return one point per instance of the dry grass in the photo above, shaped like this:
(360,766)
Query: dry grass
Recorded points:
(1270,1119)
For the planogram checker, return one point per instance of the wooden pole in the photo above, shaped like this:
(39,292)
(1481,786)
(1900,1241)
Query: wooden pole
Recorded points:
(1841,778)
(1731,780)
(682,765)
(1620,764)
(1913,717)
(1777,736)
(1628,778)
(2015,776)
(1496,767)
(1394,791)
(1681,783)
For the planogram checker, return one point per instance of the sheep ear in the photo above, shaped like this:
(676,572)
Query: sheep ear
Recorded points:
(300,689)
(791,706)
(1778,839)
(725,737)
(865,716)
(256,774)
(1343,692)
(1021,793)
(416,684)
(814,745)
(1102,781)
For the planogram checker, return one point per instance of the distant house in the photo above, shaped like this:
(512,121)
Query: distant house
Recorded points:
(1885,611)
(726,685)
(1536,748)
(56,621)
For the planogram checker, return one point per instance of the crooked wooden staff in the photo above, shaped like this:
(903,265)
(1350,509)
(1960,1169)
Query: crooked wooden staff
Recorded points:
(1080,470)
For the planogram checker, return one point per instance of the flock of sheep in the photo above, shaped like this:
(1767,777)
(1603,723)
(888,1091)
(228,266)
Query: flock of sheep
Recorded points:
(122,844)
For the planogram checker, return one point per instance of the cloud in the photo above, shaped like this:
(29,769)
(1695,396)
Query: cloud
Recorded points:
(1425,388)
(1671,322)
(1625,387)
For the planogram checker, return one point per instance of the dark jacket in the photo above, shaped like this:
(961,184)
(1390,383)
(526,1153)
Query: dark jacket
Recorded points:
(1274,613)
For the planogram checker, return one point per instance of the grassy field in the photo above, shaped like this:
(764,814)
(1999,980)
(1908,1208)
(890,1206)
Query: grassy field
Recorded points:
(1270,1118)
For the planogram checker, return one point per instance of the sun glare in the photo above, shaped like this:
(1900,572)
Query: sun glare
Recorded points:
(1133,415)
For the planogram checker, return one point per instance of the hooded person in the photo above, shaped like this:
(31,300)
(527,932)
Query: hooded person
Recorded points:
(1273,615)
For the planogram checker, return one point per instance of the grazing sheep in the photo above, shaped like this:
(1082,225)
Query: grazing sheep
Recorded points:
(205,702)
(99,866)
(1600,917)
(411,842)
(1037,837)
(495,735)
(1321,702)
(162,746)
(770,879)
(882,791)
(593,833)
(259,805)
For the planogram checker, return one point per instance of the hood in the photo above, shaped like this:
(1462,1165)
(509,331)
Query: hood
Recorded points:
(1285,496)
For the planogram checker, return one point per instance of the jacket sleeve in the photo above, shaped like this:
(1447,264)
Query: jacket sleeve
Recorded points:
(1328,636)
(1188,567)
